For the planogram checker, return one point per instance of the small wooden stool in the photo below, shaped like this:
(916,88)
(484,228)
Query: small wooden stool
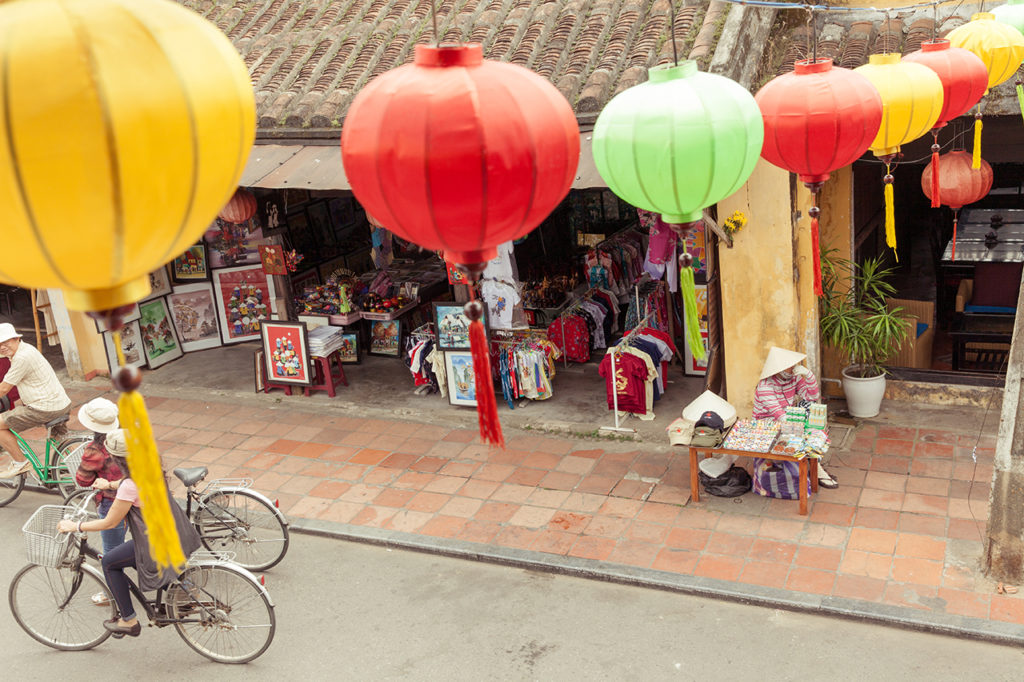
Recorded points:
(326,377)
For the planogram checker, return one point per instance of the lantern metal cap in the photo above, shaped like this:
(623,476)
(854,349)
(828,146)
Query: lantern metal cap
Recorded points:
(450,54)
(884,59)
(105,299)
(982,16)
(820,65)
(936,45)
(670,72)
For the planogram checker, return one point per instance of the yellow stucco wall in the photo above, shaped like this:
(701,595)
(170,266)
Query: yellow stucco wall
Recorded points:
(767,276)
(91,351)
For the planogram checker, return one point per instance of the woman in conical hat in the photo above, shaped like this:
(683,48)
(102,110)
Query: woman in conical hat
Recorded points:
(785,382)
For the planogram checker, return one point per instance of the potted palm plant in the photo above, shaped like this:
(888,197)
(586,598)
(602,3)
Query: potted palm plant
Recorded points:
(855,319)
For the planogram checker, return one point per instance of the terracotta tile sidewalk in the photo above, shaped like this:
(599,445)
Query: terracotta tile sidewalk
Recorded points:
(903,529)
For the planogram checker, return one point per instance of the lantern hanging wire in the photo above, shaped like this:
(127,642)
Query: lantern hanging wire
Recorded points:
(672,30)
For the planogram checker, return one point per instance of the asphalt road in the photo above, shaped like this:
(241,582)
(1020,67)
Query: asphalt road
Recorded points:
(356,612)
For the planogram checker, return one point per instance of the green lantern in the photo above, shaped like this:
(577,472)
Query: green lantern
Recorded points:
(678,143)
(1011,14)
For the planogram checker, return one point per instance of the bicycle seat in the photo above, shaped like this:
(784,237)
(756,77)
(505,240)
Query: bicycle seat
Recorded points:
(58,421)
(191,476)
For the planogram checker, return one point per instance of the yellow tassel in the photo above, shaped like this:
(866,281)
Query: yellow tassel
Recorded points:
(144,467)
(976,157)
(890,219)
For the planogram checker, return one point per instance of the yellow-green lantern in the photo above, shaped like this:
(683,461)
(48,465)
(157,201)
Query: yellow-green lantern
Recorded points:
(911,103)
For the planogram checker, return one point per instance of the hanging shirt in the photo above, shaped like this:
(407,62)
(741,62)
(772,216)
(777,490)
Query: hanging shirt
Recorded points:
(629,383)
(570,333)
(649,376)
(500,298)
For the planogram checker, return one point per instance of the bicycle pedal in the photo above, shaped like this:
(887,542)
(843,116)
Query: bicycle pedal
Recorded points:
(117,635)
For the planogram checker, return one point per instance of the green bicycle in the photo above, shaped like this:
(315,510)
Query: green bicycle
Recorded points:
(53,470)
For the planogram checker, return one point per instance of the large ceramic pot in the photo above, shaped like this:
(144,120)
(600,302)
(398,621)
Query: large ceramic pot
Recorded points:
(863,395)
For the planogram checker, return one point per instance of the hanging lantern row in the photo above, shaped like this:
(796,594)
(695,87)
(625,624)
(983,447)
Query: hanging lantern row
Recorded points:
(240,209)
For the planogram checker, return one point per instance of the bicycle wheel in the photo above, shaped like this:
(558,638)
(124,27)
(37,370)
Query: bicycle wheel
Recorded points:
(54,606)
(229,618)
(239,521)
(10,488)
(63,470)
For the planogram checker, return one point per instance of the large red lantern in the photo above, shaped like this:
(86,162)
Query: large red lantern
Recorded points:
(964,82)
(240,208)
(959,182)
(459,154)
(817,119)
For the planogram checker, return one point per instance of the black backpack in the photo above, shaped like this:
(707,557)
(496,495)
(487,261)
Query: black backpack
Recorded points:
(733,483)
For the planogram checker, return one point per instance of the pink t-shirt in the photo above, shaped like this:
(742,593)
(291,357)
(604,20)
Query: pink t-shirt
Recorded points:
(129,491)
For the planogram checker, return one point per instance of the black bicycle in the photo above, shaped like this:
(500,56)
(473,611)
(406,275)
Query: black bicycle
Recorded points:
(220,609)
(229,517)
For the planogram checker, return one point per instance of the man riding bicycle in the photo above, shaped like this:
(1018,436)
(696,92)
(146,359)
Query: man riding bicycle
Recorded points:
(42,397)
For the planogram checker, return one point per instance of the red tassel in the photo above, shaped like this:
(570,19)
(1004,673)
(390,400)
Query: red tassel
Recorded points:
(816,249)
(486,403)
(936,202)
(953,256)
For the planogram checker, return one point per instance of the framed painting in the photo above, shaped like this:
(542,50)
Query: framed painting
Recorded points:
(386,338)
(350,349)
(314,321)
(342,214)
(159,283)
(271,210)
(300,235)
(131,346)
(272,259)
(461,381)
(245,298)
(233,244)
(195,316)
(320,222)
(191,266)
(452,326)
(306,278)
(101,326)
(295,197)
(259,372)
(286,350)
(159,342)
(328,268)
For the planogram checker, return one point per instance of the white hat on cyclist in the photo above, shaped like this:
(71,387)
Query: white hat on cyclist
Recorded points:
(115,443)
(99,415)
(7,332)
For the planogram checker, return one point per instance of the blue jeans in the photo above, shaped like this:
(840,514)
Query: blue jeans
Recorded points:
(112,537)
(114,563)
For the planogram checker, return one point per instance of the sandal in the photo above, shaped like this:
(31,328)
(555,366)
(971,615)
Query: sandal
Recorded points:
(101,599)
(826,480)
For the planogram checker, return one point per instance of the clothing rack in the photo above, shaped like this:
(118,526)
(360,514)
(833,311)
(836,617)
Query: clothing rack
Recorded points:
(424,331)
(615,392)
(570,308)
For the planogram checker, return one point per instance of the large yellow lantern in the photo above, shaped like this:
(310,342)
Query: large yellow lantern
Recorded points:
(1000,46)
(127,125)
(911,103)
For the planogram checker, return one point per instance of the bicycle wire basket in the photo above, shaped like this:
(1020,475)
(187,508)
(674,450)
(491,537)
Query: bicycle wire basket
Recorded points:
(43,544)
(73,459)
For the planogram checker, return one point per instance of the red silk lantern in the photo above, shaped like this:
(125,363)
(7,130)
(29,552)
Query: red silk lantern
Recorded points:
(459,154)
(964,82)
(240,208)
(817,119)
(959,183)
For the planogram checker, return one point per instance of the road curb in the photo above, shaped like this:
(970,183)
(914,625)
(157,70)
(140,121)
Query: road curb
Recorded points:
(850,609)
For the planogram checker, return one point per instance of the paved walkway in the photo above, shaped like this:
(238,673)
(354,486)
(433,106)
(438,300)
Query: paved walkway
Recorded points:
(904,529)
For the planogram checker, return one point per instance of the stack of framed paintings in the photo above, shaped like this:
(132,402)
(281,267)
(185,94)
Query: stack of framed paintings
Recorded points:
(452,327)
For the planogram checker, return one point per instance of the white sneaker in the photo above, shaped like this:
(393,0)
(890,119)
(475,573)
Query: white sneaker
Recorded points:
(16,469)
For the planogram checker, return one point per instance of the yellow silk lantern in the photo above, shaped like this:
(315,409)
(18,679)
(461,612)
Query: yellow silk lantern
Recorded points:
(1000,46)
(127,126)
(911,103)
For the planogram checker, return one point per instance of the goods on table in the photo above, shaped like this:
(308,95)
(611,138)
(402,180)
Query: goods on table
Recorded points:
(325,340)
(811,443)
(333,297)
(752,435)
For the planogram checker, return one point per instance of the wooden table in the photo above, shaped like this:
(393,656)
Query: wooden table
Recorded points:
(808,467)
(989,334)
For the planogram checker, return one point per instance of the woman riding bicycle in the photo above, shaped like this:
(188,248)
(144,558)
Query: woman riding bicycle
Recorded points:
(134,553)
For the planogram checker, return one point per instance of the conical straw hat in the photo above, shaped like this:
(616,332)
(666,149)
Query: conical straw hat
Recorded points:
(780,359)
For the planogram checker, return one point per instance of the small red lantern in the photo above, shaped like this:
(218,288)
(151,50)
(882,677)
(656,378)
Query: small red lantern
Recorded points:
(459,154)
(959,183)
(240,209)
(964,82)
(817,119)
